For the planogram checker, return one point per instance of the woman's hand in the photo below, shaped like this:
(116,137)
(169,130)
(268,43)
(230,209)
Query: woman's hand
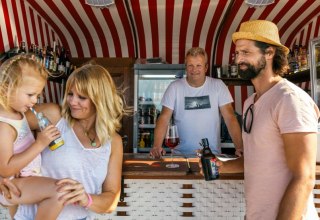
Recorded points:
(73,192)
(8,189)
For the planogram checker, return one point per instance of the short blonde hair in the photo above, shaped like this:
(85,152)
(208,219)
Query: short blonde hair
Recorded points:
(196,51)
(95,82)
(11,72)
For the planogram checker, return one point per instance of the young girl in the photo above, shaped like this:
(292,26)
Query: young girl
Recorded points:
(21,82)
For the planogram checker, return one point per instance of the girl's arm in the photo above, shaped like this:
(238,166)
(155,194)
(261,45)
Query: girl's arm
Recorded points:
(10,163)
(107,201)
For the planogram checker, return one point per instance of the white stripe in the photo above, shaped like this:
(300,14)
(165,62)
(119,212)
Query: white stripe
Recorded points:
(162,31)
(147,28)
(176,30)
(120,29)
(27,9)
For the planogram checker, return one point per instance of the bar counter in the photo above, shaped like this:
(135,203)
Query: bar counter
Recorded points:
(141,166)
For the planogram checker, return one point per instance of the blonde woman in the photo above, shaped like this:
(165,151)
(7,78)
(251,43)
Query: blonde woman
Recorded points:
(90,161)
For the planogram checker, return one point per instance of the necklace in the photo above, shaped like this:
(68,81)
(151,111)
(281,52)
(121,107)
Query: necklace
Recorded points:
(93,142)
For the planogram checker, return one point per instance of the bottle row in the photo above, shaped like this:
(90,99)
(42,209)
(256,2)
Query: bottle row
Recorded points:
(298,60)
(56,59)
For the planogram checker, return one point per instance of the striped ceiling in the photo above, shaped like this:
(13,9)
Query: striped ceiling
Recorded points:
(150,28)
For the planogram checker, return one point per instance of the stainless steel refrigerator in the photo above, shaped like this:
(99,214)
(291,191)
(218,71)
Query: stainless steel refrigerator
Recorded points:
(150,81)
(314,53)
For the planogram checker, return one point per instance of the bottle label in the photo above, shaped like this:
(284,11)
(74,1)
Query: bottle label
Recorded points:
(214,168)
(56,144)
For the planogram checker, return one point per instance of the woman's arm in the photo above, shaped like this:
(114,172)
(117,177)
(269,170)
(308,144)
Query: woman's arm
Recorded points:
(107,201)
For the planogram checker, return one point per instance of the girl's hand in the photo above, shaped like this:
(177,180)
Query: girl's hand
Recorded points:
(73,192)
(49,134)
(8,189)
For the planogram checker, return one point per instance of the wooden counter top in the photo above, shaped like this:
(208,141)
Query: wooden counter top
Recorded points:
(141,166)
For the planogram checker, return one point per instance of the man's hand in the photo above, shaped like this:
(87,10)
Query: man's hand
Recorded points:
(157,152)
(8,189)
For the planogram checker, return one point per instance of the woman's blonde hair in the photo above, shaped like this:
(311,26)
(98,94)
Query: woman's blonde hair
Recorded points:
(11,72)
(95,82)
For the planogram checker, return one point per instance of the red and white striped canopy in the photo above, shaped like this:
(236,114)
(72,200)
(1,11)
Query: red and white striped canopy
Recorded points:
(150,28)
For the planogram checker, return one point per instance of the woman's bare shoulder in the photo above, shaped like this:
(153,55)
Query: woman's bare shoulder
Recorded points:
(51,110)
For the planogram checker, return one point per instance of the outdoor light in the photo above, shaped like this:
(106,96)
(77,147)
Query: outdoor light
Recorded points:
(100,3)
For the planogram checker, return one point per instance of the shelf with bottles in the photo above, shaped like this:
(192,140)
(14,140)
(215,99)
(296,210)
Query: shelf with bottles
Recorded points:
(55,59)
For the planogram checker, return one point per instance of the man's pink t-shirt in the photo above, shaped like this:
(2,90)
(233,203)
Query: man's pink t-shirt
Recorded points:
(285,108)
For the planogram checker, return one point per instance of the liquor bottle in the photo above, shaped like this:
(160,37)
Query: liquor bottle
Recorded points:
(67,60)
(22,48)
(43,123)
(208,160)
(233,67)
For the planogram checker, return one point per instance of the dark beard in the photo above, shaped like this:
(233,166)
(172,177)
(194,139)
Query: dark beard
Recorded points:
(252,72)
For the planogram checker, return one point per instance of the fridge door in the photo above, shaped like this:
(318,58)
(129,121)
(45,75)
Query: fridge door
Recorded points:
(151,81)
(314,53)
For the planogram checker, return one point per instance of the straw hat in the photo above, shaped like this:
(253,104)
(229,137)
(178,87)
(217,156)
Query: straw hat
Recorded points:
(259,30)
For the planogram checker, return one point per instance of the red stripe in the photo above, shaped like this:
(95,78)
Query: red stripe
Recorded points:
(301,25)
(81,24)
(183,29)
(97,26)
(55,27)
(114,32)
(245,17)
(25,22)
(244,94)
(294,17)
(282,12)
(317,27)
(232,92)
(127,30)
(199,22)
(1,42)
(308,34)
(212,29)
(48,36)
(49,92)
(301,37)
(153,14)
(8,24)
(139,26)
(225,29)
(268,9)
(33,26)
(41,31)
(56,91)
(16,18)
(169,29)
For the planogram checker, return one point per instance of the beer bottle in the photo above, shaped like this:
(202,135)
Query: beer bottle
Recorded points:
(208,160)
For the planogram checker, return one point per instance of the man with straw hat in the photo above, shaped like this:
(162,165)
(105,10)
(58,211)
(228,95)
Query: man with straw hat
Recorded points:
(279,130)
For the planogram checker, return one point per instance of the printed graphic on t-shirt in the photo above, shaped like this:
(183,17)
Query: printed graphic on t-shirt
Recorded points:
(199,102)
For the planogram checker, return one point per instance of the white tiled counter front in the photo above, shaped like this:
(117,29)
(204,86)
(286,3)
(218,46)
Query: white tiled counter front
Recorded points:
(181,199)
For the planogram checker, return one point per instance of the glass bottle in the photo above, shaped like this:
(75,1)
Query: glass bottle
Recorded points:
(43,123)
(208,160)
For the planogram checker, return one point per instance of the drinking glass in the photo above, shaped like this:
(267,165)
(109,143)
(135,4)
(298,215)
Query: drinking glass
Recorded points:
(171,141)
